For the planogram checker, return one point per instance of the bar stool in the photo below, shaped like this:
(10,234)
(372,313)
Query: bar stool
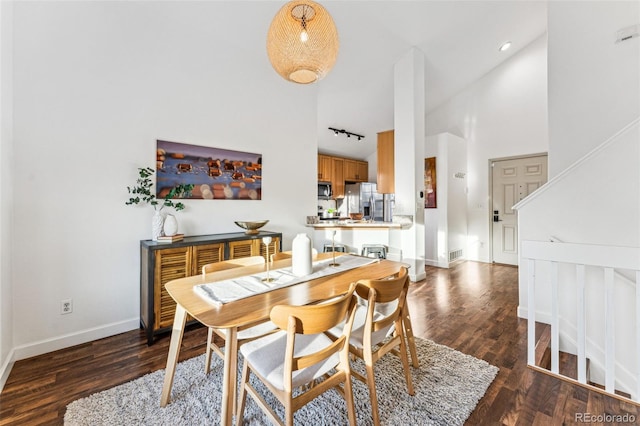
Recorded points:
(338,247)
(380,250)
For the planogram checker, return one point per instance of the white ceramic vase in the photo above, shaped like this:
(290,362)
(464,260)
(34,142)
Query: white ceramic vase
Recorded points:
(301,257)
(156,225)
(170,225)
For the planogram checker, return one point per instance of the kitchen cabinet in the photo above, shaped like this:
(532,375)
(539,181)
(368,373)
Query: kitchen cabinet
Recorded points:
(386,173)
(325,168)
(162,262)
(337,183)
(356,170)
(339,170)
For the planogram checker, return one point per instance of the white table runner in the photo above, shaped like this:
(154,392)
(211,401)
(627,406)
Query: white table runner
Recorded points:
(221,292)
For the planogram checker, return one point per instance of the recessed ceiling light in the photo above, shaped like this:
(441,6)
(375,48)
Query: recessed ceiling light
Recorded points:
(504,46)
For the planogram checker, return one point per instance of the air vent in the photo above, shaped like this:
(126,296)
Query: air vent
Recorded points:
(455,255)
(459,175)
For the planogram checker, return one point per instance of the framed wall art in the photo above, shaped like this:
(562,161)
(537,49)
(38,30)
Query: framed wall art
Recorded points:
(430,190)
(215,173)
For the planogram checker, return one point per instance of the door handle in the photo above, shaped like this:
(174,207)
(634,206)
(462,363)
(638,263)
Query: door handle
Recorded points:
(496,216)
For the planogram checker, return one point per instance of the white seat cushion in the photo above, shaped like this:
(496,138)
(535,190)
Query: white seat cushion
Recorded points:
(266,356)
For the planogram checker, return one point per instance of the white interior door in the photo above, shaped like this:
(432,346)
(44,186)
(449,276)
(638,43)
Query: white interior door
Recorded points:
(512,180)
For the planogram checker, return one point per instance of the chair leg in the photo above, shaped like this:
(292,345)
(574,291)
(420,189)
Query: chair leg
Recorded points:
(404,356)
(242,398)
(408,330)
(208,350)
(371,382)
(288,411)
(348,396)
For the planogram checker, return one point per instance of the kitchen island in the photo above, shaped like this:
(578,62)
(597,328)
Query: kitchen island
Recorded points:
(354,234)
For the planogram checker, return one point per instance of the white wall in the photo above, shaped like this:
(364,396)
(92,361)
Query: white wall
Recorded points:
(502,114)
(6,192)
(571,210)
(435,220)
(95,84)
(446,225)
(594,84)
(594,93)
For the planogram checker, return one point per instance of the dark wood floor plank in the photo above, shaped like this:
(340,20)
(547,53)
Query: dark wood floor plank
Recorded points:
(470,307)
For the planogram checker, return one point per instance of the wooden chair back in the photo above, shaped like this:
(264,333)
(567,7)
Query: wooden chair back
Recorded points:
(314,319)
(391,289)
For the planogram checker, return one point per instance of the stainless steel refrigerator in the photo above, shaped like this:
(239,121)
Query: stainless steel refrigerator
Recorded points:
(363,198)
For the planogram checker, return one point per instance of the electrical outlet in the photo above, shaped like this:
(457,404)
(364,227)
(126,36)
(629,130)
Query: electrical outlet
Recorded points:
(66,306)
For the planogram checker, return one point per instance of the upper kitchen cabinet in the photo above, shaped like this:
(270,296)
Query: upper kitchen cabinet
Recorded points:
(325,168)
(386,174)
(337,182)
(356,171)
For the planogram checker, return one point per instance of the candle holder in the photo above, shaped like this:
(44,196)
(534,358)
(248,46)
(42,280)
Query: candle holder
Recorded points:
(266,241)
(333,250)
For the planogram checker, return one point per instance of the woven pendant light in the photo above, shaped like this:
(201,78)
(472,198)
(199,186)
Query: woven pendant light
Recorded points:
(302,42)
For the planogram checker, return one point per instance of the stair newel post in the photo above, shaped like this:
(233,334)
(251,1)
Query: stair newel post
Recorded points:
(531,312)
(581,322)
(610,333)
(555,321)
(637,395)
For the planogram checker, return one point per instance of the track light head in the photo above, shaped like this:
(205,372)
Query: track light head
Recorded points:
(343,131)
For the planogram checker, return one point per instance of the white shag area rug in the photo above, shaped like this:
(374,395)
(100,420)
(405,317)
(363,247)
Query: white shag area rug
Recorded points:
(448,385)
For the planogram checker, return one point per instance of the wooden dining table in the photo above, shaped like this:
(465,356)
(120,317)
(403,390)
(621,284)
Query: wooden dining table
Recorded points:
(237,314)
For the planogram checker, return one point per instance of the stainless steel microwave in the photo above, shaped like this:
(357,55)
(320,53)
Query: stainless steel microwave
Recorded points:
(324,191)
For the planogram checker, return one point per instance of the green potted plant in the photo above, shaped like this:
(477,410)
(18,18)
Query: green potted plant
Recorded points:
(141,194)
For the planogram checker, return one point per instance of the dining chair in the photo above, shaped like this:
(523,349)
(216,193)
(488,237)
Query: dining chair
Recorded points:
(298,355)
(244,334)
(378,328)
(289,254)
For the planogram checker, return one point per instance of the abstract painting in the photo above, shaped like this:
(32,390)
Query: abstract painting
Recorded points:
(215,173)
(430,199)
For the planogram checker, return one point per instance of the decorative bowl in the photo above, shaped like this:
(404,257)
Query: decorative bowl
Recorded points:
(355,216)
(251,226)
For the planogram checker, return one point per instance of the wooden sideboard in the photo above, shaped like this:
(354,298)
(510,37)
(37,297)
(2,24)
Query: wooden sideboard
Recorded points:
(163,262)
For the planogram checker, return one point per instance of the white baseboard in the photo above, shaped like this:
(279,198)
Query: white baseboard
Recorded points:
(540,316)
(437,264)
(6,369)
(64,341)
(72,339)
(416,269)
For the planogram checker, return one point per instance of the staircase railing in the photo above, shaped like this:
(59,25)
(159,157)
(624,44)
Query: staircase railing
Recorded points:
(543,260)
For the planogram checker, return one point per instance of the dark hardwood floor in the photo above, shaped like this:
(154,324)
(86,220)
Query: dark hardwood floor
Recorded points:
(470,307)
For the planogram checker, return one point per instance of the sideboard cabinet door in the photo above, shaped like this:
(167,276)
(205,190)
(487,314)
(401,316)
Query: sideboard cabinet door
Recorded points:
(171,264)
(204,254)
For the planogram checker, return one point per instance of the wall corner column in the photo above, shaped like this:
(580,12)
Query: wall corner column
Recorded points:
(409,126)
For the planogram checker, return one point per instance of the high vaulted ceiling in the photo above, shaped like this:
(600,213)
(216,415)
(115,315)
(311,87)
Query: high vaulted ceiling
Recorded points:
(460,40)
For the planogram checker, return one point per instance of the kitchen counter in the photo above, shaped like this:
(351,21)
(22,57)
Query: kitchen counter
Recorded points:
(354,234)
(355,224)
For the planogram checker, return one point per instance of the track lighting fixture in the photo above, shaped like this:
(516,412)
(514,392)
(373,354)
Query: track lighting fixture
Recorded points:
(343,131)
